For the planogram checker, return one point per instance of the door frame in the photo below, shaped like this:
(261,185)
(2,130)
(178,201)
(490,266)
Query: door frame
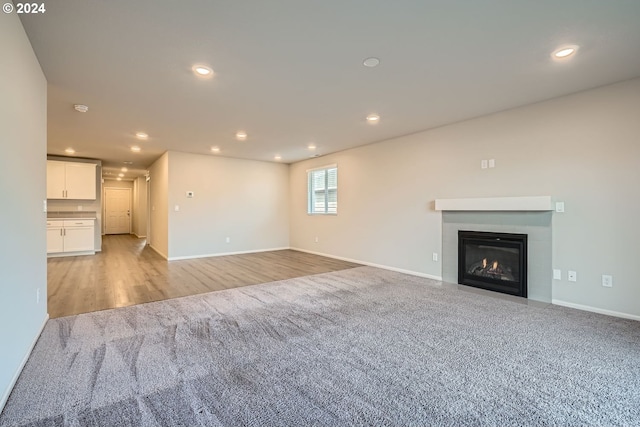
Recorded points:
(104,210)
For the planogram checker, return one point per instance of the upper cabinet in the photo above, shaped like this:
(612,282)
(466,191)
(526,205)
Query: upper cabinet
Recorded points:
(71,180)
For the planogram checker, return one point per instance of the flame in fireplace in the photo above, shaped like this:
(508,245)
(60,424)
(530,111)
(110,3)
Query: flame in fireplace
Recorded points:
(495,265)
(484,263)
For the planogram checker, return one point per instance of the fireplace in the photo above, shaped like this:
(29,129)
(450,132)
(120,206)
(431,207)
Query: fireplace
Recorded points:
(493,261)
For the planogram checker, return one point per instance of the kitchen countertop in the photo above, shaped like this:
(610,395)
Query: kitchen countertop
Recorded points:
(69,218)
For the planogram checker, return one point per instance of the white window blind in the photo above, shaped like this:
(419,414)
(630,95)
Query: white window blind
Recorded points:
(323,191)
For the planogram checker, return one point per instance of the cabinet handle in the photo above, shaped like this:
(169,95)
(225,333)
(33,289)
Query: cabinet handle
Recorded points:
(61,231)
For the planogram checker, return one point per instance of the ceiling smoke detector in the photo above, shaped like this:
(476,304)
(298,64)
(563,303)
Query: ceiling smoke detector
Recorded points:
(81,108)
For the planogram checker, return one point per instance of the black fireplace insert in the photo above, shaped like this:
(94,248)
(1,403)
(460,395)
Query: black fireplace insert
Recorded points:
(493,261)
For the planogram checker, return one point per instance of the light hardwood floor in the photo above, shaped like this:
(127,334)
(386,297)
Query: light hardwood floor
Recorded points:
(127,272)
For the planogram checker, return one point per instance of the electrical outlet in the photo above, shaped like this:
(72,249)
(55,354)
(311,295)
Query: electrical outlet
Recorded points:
(560,207)
(492,163)
(607,280)
(176,208)
(557,274)
(572,276)
(434,257)
(483,164)
(190,194)
(316,239)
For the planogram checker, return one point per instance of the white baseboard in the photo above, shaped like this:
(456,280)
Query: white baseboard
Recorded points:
(371,264)
(7,392)
(595,309)
(177,258)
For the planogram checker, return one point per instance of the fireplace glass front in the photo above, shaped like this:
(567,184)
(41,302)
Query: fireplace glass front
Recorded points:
(493,261)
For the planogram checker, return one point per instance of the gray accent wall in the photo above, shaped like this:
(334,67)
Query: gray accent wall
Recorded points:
(23,258)
(581,149)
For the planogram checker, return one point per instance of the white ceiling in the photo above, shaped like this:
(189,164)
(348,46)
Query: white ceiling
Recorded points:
(290,73)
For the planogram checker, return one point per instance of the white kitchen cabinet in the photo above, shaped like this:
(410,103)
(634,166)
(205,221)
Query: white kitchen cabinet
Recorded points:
(55,238)
(71,180)
(70,237)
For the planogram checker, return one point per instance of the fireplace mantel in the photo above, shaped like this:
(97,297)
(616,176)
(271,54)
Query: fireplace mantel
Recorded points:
(525,203)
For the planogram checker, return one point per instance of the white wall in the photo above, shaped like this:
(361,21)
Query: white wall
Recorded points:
(139,217)
(23,265)
(244,200)
(159,215)
(582,149)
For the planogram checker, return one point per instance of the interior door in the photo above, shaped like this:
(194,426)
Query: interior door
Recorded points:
(117,210)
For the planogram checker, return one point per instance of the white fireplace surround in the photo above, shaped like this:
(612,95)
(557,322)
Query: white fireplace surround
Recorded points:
(520,203)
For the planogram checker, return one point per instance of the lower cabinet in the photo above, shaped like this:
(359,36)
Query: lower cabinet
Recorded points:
(70,236)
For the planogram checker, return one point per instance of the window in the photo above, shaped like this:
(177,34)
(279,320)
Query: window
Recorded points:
(323,190)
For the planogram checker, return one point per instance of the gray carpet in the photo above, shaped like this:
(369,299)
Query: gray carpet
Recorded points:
(356,347)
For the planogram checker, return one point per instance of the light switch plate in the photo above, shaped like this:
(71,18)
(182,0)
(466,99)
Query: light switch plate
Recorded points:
(557,274)
(176,208)
(559,206)
(492,163)
(483,164)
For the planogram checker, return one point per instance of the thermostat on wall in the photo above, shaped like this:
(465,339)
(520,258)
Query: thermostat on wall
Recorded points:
(190,194)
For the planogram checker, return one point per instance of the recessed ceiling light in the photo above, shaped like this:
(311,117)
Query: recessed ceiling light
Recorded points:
(565,51)
(311,146)
(81,108)
(118,179)
(371,62)
(142,135)
(135,149)
(120,175)
(70,151)
(202,71)
(373,118)
(241,136)
(124,169)
(128,163)
(277,157)
(215,149)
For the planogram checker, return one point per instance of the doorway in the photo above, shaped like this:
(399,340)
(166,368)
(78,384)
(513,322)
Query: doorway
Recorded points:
(117,210)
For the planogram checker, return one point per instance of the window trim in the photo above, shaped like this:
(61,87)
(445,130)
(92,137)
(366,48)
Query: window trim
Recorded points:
(309,189)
